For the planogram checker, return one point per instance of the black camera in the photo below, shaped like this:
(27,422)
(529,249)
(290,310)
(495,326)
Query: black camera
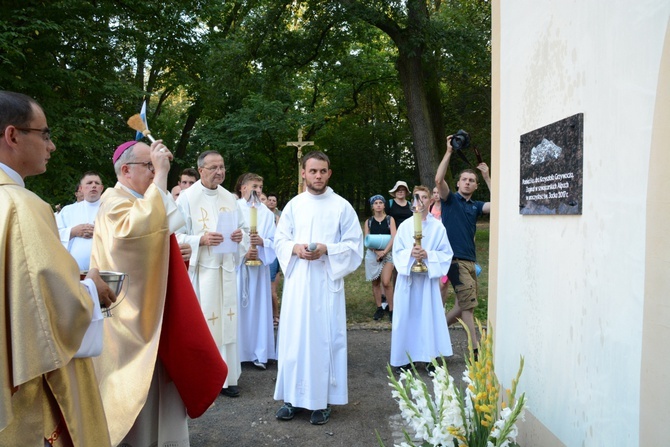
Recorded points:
(460,140)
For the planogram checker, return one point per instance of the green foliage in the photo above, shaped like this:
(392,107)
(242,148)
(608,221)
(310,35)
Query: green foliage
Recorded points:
(242,76)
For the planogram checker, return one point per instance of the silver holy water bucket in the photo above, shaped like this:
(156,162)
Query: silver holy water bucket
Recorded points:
(115,281)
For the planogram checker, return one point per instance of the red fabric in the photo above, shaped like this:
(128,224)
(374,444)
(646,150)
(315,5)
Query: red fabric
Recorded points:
(186,347)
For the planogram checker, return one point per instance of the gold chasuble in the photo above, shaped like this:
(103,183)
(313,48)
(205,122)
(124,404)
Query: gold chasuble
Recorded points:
(131,236)
(44,312)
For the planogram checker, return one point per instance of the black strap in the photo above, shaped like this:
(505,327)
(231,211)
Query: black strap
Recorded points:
(388,221)
(478,155)
(464,158)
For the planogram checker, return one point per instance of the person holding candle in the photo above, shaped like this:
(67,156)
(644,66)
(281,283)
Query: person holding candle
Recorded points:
(256,340)
(419,326)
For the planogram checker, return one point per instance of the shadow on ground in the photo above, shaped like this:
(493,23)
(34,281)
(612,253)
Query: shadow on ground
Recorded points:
(249,419)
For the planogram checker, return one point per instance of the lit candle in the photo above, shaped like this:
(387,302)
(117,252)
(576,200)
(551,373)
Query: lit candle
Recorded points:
(253,216)
(417,223)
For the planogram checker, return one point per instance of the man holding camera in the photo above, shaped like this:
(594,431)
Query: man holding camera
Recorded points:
(459,216)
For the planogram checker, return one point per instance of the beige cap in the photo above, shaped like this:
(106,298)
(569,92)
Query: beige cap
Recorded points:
(397,185)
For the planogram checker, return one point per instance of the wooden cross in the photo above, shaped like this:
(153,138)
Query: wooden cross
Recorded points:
(230,314)
(213,319)
(299,144)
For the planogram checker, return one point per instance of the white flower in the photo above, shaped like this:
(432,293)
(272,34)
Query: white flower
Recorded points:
(433,417)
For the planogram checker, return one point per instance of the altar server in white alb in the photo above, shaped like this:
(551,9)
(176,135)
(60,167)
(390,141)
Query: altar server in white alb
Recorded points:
(419,328)
(318,242)
(76,221)
(213,274)
(256,340)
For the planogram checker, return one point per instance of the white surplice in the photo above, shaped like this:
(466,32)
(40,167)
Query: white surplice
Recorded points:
(214,274)
(256,338)
(312,339)
(419,327)
(70,216)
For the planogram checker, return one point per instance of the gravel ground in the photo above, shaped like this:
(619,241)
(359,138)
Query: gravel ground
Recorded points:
(249,419)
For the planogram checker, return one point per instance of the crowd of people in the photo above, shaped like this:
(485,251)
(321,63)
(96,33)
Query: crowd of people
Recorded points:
(201,265)
(438,230)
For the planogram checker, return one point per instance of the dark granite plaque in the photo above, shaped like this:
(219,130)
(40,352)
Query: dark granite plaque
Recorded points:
(552,162)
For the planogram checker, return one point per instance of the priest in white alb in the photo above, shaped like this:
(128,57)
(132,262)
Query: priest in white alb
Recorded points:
(419,327)
(318,242)
(212,272)
(76,221)
(256,341)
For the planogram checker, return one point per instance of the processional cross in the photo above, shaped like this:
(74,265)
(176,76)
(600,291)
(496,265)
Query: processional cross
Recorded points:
(299,144)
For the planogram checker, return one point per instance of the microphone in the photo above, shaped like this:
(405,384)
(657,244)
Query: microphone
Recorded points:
(311,246)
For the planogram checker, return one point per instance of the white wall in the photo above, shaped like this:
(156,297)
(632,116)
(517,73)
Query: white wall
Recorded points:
(570,289)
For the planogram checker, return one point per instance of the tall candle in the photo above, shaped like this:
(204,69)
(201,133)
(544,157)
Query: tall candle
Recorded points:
(253,217)
(417,223)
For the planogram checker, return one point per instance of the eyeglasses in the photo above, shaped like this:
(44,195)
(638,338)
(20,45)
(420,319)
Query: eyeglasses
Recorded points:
(214,168)
(46,132)
(149,165)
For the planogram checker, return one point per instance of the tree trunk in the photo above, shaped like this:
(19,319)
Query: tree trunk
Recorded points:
(420,114)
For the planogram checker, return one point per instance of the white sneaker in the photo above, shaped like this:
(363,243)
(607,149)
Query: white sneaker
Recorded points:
(259,365)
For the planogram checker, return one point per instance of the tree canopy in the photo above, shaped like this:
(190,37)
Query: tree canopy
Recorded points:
(375,84)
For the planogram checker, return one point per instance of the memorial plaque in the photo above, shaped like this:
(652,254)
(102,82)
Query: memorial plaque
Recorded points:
(552,163)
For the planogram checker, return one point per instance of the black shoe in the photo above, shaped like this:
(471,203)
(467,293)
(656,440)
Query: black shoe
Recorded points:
(400,369)
(391,316)
(379,313)
(231,391)
(286,412)
(320,417)
(430,367)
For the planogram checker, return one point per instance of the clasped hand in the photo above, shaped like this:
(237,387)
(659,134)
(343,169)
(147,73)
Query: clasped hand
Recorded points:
(302,252)
(256,240)
(185,250)
(419,253)
(82,230)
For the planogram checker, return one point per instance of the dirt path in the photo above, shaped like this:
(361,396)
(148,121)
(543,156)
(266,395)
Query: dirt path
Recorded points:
(249,420)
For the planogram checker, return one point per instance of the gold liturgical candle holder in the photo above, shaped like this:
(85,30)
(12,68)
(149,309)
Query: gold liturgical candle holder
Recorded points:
(253,262)
(419,266)
(253,227)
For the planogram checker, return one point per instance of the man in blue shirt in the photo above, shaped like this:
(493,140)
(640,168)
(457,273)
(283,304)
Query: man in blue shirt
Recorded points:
(459,216)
